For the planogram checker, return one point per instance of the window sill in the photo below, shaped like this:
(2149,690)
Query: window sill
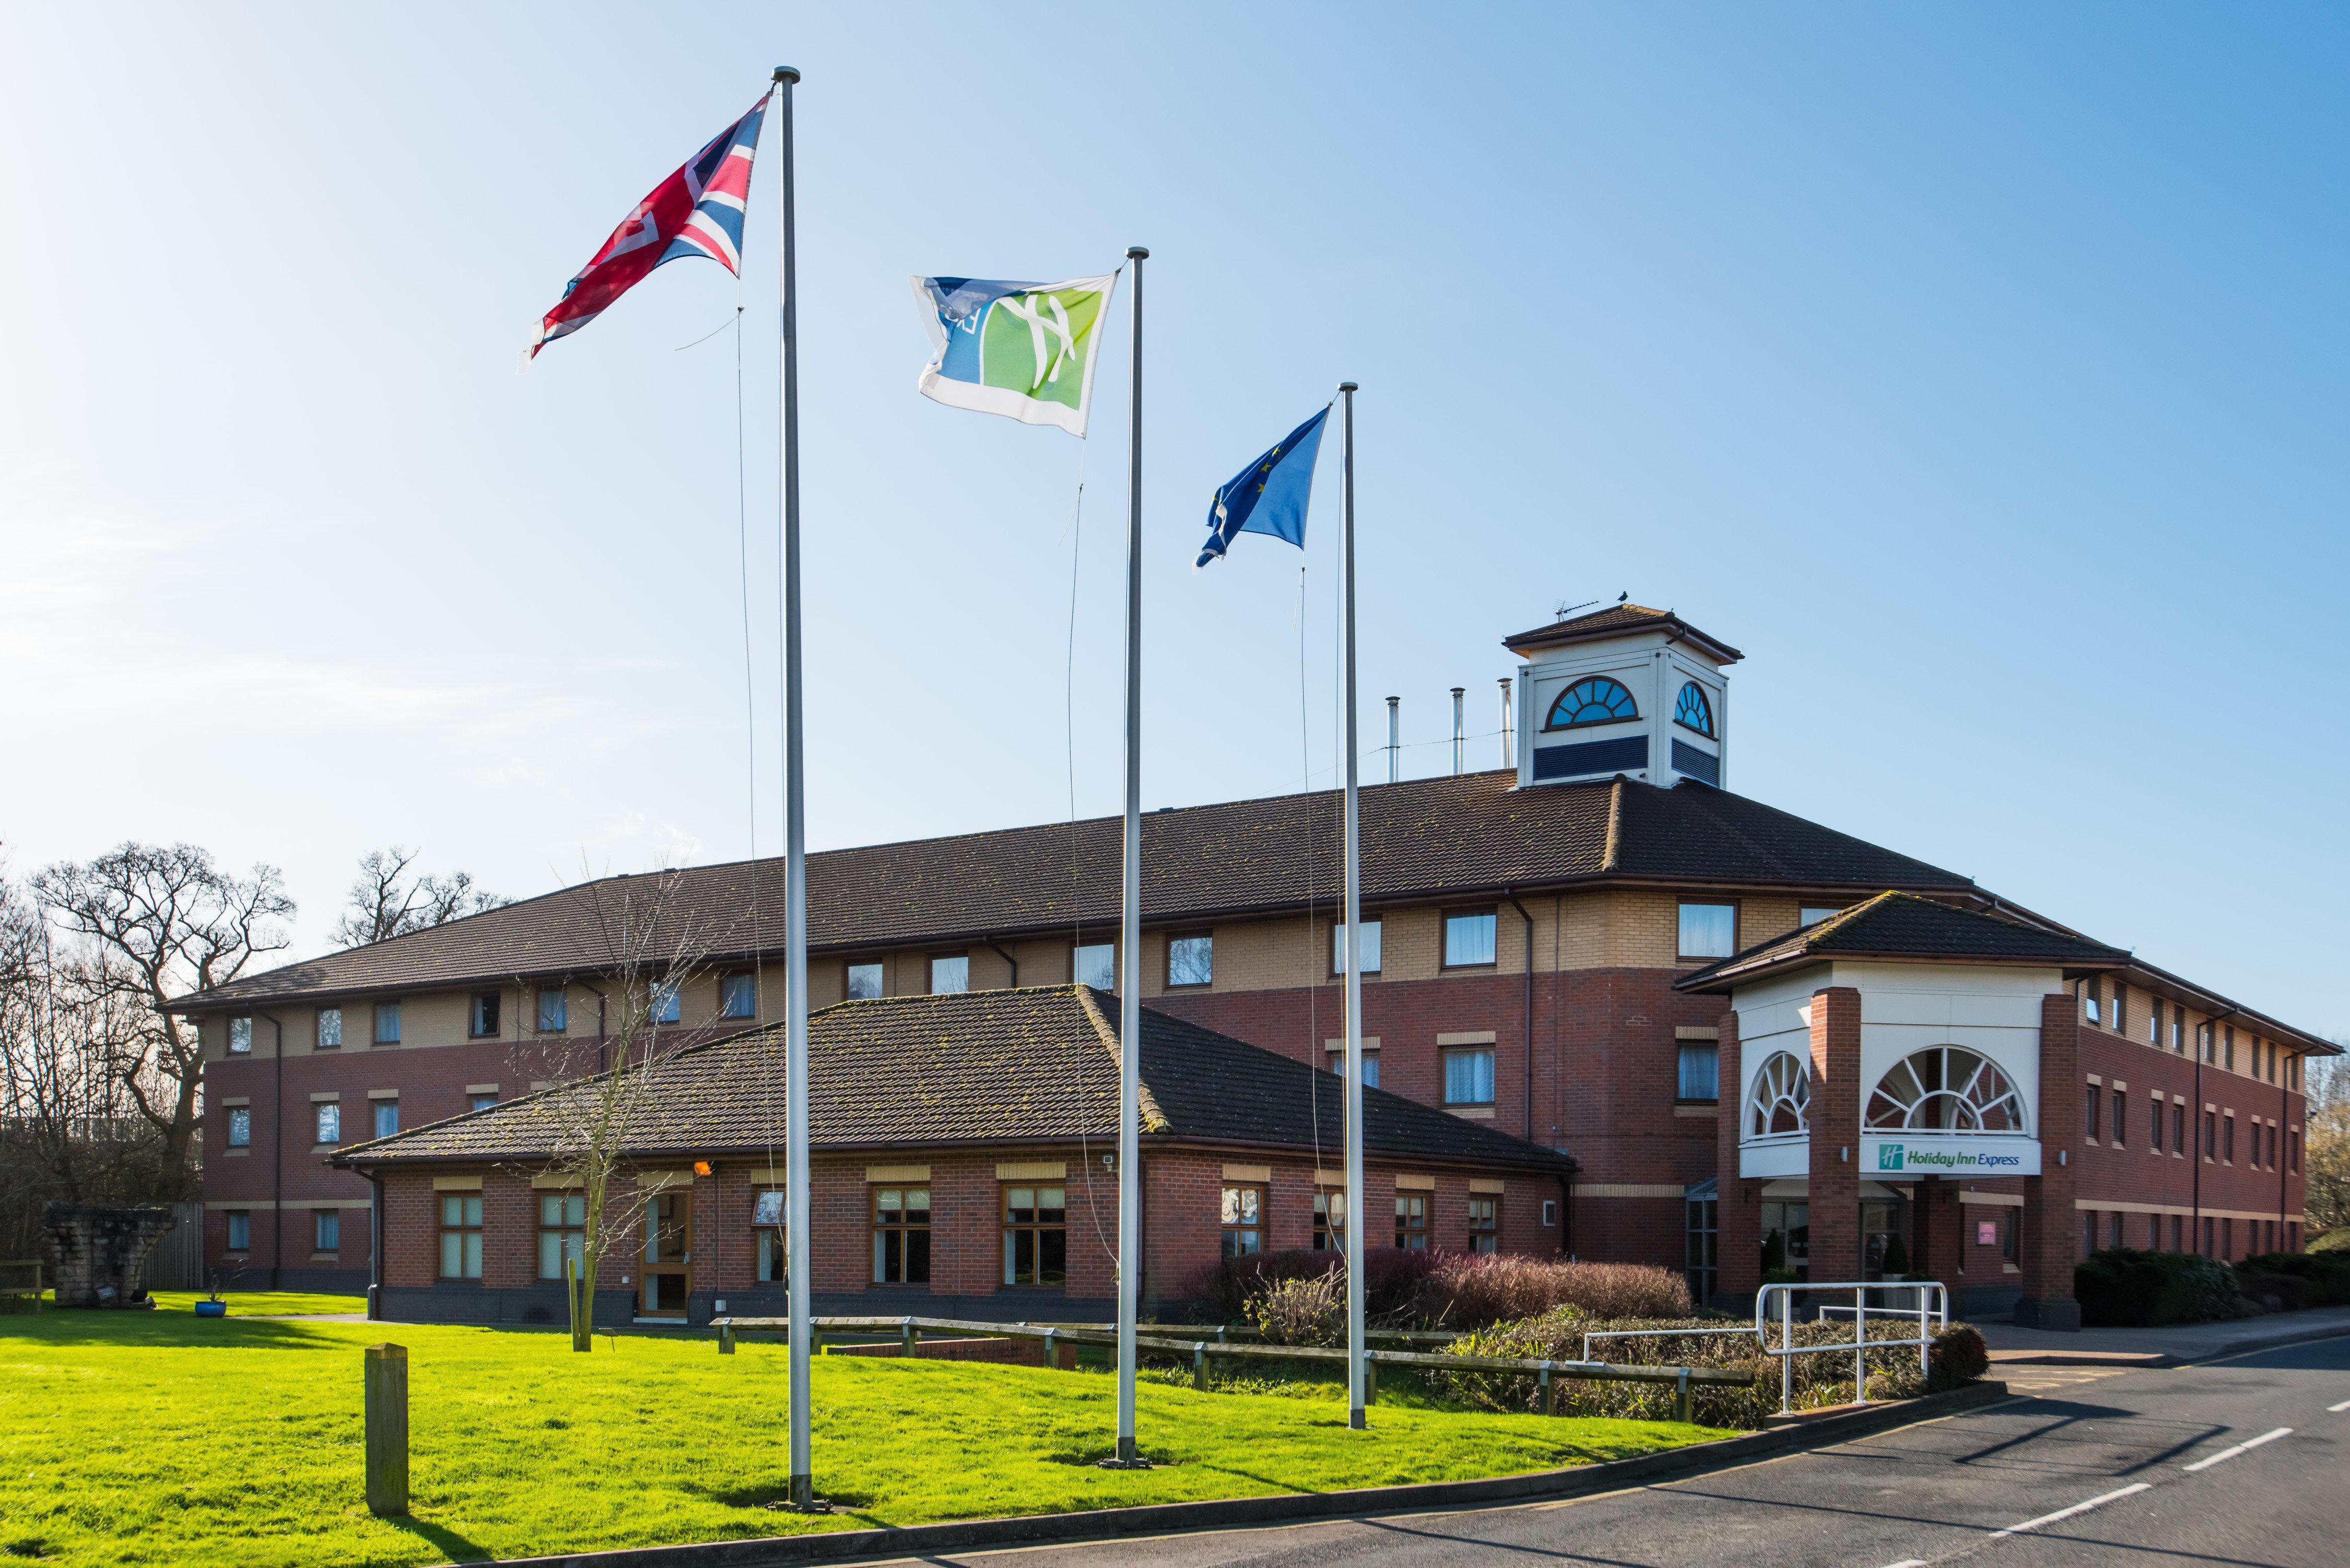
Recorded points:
(325,1147)
(1701,958)
(381,1044)
(1173,986)
(325,1257)
(1472,1113)
(1697,1109)
(235,1153)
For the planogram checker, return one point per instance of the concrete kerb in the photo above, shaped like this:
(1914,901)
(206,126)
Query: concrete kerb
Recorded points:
(1284,1507)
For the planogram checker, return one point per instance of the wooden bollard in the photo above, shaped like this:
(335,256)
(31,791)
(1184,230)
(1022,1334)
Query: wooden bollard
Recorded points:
(1681,1395)
(725,1339)
(1199,1366)
(1370,1381)
(387,1430)
(1545,1399)
(909,1336)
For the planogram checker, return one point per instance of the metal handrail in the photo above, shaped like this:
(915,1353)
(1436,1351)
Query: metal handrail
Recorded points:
(1933,1300)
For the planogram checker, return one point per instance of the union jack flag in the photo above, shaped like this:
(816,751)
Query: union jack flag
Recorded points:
(696,212)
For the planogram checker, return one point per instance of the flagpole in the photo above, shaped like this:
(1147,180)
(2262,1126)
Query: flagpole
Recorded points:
(1129,990)
(1354,1088)
(795,1010)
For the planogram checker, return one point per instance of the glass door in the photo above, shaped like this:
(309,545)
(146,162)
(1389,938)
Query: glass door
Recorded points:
(669,1241)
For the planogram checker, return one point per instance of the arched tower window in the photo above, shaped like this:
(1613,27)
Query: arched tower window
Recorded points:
(1596,699)
(1946,1088)
(1781,1099)
(1692,711)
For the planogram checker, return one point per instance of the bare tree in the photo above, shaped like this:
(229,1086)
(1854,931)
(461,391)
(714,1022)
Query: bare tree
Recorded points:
(652,950)
(163,922)
(384,902)
(2325,1141)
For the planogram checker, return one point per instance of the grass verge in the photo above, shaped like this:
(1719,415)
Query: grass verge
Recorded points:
(160,1438)
(261,1304)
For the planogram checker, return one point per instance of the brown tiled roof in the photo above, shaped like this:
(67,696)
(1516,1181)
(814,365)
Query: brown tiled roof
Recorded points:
(1610,622)
(1901,925)
(1426,838)
(1037,1065)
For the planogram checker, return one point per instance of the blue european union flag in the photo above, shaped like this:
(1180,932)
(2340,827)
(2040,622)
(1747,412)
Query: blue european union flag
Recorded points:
(1268,496)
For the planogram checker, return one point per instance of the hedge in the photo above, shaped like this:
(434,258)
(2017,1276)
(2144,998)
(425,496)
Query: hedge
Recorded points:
(2298,1278)
(2127,1287)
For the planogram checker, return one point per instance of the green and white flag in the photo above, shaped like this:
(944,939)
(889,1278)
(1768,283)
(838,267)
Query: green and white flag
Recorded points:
(1024,350)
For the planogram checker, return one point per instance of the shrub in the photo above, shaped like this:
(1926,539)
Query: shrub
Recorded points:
(2124,1287)
(2279,1293)
(2332,1242)
(2326,1275)
(1470,1290)
(1955,1356)
(1309,1310)
(1221,1292)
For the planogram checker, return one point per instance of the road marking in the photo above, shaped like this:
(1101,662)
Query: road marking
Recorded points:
(1907,1563)
(2069,1512)
(2226,1454)
(2336,1409)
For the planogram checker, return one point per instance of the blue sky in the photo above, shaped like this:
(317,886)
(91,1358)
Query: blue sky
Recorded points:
(1979,373)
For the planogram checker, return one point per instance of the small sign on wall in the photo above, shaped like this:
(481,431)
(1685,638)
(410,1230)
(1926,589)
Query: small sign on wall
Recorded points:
(1986,1232)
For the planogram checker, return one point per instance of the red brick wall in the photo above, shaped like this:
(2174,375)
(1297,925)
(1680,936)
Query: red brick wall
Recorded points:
(2052,1229)
(1741,1209)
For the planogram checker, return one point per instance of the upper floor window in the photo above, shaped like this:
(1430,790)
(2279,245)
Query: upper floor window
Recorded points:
(481,1017)
(482,1100)
(1781,1101)
(330,1029)
(386,1024)
(240,1036)
(738,995)
(240,1126)
(1468,938)
(327,1230)
(1595,700)
(240,1229)
(1699,1074)
(554,1009)
(330,1121)
(1370,1067)
(864,983)
(1692,711)
(1469,1076)
(1370,931)
(667,1001)
(2092,1000)
(1192,960)
(1709,930)
(1946,1088)
(1096,964)
(2119,1018)
(949,974)
(386,1116)
(1813,914)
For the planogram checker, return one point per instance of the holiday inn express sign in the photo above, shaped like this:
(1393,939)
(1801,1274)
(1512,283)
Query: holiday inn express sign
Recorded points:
(1909,1154)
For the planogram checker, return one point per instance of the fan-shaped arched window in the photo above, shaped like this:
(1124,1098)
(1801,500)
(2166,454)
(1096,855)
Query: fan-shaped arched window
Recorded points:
(1782,1098)
(1592,700)
(1946,1088)
(1692,711)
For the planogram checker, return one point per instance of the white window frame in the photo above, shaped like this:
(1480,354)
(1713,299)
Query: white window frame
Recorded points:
(849,973)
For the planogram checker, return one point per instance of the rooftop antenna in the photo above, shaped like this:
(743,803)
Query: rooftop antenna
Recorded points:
(1565,609)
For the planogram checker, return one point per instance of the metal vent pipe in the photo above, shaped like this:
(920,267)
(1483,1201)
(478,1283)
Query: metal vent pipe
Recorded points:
(1508,728)
(1395,749)
(1460,737)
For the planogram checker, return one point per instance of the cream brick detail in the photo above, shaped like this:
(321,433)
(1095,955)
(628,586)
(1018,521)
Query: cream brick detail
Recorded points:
(1330,1179)
(1713,1111)
(1034,1170)
(1248,1173)
(1467,1037)
(238,1100)
(1474,1113)
(556,1183)
(897,1173)
(657,1179)
(322,1095)
(1485,1184)
(1990,1200)
(1696,1031)
(383,1093)
(1626,1189)
(258,1205)
(456,1184)
(1370,1042)
(1415,1184)
(481,1088)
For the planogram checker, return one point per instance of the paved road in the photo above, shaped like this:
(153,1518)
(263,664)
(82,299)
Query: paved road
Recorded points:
(2240,1462)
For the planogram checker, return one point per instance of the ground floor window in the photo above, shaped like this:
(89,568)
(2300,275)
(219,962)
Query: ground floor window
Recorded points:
(240,1229)
(2114,1230)
(1786,1240)
(1485,1224)
(1329,1221)
(902,1235)
(461,1236)
(2178,1232)
(562,1232)
(1411,1221)
(768,1217)
(1244,1220)
(1702,1255)
(327,1230)
(1037,1236)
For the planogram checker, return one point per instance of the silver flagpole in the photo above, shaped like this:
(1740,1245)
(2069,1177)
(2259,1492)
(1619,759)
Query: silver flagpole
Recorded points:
(1355,1217)
(795,1012)
(1129,989)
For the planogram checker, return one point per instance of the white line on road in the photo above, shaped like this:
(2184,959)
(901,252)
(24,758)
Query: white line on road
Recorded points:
(1907,1563)
(2226,1454)
(2069,1512)
(2336,1410)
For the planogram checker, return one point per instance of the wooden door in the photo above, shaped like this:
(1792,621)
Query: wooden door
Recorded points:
(669,1254)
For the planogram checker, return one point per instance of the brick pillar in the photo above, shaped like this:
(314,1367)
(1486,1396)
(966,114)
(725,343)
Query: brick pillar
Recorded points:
(1740,1214)
(1836,1134)
(2051,1228)
(1934,1240)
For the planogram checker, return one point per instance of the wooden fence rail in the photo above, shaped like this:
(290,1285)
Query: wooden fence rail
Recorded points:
(1167,1340)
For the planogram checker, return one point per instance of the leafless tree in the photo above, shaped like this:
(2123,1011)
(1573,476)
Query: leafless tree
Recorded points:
(652,950)
(162,923)
(2325,1141)
(385,902)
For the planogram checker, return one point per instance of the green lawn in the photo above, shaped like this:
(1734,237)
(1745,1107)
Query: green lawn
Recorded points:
(164,1439)
(261,1304)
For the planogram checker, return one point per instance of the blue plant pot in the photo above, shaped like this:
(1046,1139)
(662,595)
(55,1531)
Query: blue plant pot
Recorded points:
(211,1309)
